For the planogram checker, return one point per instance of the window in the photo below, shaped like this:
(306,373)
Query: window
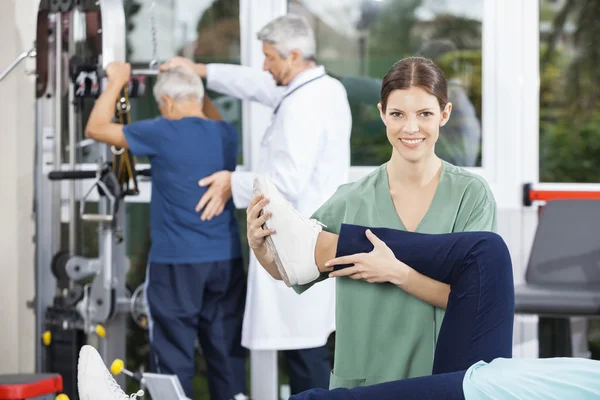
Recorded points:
(199,30)
(359,40)
(208,32)
(569,91)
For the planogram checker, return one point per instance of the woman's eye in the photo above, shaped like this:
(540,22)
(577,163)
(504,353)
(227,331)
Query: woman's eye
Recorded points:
(395,114)
(427,113)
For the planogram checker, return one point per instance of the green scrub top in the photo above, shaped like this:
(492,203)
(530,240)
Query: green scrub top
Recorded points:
(383,333)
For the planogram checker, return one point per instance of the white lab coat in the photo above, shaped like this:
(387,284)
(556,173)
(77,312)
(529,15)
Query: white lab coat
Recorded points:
(305,152)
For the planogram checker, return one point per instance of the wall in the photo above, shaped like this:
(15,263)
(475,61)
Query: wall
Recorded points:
(17,143)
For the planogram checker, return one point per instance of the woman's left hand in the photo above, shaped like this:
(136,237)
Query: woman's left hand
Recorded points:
(377,266)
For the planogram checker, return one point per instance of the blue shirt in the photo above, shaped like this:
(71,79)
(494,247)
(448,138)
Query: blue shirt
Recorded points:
(182,152)
(544,379)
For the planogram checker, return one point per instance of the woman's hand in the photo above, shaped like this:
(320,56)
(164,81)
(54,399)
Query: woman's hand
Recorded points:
(379,265)
(255,221)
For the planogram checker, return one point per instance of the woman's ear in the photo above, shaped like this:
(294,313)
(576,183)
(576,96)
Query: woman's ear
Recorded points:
(446,114)
(381,113)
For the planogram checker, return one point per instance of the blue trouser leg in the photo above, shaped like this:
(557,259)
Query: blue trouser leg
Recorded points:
(478,324)
(433,387)
(205,300)
(308,368)
(173,309)
(220,330)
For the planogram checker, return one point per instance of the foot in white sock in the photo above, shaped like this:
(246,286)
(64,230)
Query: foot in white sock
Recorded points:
(94,381)
(293,243)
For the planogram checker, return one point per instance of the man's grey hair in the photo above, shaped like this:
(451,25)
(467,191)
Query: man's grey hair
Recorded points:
(179,84)
(290,32)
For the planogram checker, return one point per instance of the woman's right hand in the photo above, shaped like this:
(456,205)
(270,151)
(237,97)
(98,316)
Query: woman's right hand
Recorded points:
(255,220)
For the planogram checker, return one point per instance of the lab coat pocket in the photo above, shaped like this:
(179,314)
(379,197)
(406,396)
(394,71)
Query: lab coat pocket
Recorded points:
(336,382)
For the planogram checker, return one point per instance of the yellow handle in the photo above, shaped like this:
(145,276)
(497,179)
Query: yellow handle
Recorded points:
(46,339)
(100,331)
(62,396)
(116,367)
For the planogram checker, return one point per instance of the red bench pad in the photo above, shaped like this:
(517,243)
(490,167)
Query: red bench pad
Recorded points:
(25,386)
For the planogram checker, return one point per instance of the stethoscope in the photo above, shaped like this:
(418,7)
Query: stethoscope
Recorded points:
(269,132)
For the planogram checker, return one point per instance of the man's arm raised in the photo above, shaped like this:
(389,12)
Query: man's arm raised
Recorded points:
(100,126)
(237,81)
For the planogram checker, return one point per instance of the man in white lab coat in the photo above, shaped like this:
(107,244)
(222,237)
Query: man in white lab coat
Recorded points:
(305,152)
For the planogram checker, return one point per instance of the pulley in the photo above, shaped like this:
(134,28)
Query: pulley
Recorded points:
(58,268)
(138,307)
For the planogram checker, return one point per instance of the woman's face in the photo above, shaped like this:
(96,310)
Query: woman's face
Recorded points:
(413,119)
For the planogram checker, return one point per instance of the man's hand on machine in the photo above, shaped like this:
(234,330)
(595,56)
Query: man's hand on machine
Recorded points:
(199,69)
(118,72)
(100,126)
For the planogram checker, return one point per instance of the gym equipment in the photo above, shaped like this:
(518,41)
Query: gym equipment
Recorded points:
(90,79)
(160,386)
(30,53)
(41,387)
(562,278)
(80,299)
(531,194)
(91,302)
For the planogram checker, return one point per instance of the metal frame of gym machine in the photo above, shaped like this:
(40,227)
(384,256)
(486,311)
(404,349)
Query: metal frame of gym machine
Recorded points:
(70,314)
(84,300)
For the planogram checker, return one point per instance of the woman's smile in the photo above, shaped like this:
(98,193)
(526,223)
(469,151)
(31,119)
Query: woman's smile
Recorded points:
(412,143)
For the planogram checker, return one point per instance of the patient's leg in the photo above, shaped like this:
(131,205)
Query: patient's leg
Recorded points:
(434,387)
(478,324)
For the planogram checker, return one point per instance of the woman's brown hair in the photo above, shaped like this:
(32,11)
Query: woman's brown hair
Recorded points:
(415,71)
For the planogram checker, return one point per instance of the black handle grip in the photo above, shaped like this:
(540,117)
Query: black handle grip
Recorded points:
(143,172)
(71,175)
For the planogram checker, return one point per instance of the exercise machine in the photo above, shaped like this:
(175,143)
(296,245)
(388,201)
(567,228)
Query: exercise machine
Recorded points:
(81,300)
(161,386)
(84,300)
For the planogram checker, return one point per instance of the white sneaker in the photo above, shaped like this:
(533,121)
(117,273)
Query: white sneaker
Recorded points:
(293,243)
(94,381)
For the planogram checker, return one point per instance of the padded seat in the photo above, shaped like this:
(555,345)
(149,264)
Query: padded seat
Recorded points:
(29,386)
(563,272)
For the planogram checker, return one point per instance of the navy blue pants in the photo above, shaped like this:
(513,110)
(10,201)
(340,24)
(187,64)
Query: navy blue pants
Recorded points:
(308,368)
(203,301)
(478,323)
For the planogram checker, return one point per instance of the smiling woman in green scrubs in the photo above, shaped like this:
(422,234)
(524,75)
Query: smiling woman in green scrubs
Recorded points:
(384,332)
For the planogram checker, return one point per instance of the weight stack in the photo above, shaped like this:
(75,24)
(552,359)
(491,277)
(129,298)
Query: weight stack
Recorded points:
(62,353)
